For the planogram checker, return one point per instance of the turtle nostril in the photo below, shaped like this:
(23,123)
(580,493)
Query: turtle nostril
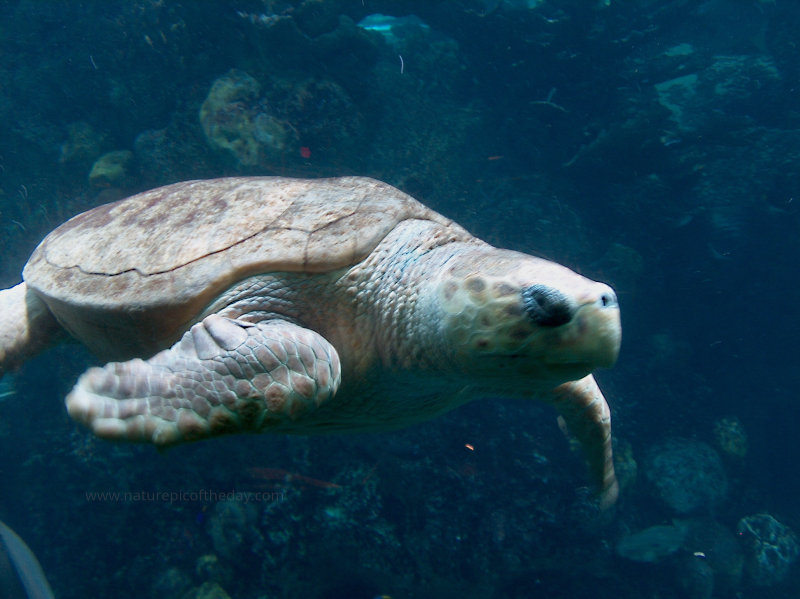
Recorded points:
(608,299)
(546,306)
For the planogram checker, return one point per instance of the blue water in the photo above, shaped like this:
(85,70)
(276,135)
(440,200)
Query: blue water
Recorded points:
(653,145)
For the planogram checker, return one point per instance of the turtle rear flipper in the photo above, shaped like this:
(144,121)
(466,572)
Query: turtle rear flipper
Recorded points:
(26,326)
(224,376)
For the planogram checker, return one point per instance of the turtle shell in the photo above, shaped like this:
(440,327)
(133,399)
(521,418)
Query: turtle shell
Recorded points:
(146,266)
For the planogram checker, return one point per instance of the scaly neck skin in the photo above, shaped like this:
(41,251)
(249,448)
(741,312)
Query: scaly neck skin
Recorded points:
(398,296)
(381,312)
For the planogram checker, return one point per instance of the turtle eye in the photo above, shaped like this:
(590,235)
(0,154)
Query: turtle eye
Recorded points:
(546,306)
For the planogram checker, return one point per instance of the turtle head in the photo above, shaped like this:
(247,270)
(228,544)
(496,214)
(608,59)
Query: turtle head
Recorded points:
(507,313)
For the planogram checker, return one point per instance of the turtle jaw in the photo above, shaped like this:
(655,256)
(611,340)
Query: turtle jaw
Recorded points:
(568,352)
(547,358)
(593,336)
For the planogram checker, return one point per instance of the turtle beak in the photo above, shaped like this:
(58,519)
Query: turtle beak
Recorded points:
(587,327)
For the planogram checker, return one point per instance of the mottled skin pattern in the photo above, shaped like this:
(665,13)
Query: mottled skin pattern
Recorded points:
(415,318)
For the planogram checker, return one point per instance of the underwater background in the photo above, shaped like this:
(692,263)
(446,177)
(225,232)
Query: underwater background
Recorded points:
(650,144)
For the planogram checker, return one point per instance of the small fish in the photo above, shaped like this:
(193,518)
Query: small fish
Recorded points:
(284,475)
(385,23)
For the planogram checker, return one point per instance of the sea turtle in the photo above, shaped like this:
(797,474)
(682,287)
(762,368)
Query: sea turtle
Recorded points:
(255,304)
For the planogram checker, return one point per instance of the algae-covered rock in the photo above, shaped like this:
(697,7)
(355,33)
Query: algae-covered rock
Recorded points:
(703,553)
(326,118)
(173,582)
(113,169)
(208,590)
(695,576)
(687,475)
(730,436)
(652,544)
(209,569)
(771,548)
(83,144)
(177,152)
(233,530)
(733,89)
(237,122)
(718,547)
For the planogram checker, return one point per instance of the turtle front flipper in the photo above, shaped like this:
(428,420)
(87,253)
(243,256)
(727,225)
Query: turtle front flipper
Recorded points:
(588,417)
(224,376)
